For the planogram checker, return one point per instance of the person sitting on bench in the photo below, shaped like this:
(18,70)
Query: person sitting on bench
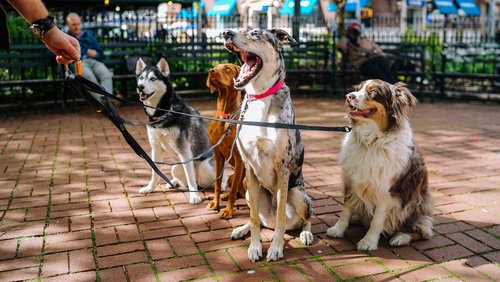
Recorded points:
(365,55)
(91,55)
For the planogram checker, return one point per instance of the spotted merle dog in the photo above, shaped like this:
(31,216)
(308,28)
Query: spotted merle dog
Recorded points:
(273,157)
(182,136)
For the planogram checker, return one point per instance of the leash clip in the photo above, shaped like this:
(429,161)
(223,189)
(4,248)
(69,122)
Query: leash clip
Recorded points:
(347,129)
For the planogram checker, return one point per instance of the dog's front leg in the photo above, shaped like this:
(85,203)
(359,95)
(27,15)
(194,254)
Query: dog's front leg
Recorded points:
(157,153)
(338,230)
(255,249)
(275,251)
(189,170)
(219,167)
(370,241)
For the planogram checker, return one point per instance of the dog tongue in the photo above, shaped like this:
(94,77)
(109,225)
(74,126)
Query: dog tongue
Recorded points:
(248,58)
(358,112)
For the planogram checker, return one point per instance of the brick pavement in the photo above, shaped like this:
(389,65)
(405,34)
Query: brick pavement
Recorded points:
(70,210)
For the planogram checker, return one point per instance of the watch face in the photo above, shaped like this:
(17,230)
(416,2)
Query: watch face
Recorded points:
(36,31)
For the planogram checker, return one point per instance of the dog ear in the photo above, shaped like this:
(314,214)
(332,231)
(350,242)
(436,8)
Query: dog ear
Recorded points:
(139,66)
(209,85)
(163,67)
(402,101)
(283,36)
(403,93)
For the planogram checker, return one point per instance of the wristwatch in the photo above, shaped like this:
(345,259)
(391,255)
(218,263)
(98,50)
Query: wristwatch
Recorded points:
(40,27)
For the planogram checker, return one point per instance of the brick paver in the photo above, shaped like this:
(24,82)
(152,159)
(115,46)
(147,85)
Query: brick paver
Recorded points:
(70,208)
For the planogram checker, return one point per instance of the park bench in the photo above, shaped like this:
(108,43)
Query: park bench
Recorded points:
(28,74)
(308,67)
(467,70)
(189,63)
(407,60)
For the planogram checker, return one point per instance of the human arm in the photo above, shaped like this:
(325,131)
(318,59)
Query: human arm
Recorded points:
(95,51)
(342,45)
(65,47)
(376,49)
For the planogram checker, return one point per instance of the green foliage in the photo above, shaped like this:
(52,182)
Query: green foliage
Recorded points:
(471,64)
(433,46)
(18,27)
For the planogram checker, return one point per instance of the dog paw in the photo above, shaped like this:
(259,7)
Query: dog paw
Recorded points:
(226,214)
(146,189)
(194,198)
(367,244)
(336,231)
(254,252)
(224,196)
(239,232)
(306,237)
(425,231)
(175,183)
(212,205)
(275,252)
(400,239)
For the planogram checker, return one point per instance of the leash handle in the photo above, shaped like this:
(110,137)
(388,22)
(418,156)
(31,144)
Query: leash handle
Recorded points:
(78,68)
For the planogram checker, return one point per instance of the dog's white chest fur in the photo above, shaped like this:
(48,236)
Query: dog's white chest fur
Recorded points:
(166,138)
(260,146)
(371,161)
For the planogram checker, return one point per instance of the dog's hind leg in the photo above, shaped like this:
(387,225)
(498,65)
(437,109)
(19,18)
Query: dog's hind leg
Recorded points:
(237,178)
(178,177)
(205,173)
(157,153)
(301,203)
(403,238)
(240,231)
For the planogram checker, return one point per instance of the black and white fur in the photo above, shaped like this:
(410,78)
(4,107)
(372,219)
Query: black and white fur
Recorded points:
(180,135)
(273,157)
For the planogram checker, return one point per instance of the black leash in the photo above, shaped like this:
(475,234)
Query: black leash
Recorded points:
(84,87)
(90,86)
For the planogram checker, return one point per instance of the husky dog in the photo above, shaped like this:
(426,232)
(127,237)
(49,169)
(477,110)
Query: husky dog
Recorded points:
(273,157)
(181,135)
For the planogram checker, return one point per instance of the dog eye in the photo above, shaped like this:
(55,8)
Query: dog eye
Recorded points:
(141,78)
(153,78)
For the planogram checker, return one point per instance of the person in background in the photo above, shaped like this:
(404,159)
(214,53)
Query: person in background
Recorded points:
(65,47)
(91,54)
(363,54)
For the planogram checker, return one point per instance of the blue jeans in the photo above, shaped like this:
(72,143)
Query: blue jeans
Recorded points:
(98,73)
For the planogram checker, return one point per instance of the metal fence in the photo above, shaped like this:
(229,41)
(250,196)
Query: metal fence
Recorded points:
(189,38)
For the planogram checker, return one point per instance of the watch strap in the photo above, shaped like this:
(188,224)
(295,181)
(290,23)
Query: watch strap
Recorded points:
(44,25)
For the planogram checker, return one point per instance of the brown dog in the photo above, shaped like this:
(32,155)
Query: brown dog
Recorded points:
(221,78)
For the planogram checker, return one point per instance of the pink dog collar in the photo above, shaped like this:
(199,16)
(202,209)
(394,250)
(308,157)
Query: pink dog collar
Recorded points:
(271,91)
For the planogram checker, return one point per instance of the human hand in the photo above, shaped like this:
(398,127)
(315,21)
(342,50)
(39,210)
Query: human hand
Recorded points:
(64,46)
(91,53)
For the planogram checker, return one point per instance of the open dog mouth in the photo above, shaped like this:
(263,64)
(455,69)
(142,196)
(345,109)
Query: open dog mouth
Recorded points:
(356,112)
(144,96)
(251,64)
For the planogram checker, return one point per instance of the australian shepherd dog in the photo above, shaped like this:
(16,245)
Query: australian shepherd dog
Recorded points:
(384,174)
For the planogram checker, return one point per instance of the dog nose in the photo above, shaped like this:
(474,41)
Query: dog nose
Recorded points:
(140,87)
(350,96)
(227,34)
